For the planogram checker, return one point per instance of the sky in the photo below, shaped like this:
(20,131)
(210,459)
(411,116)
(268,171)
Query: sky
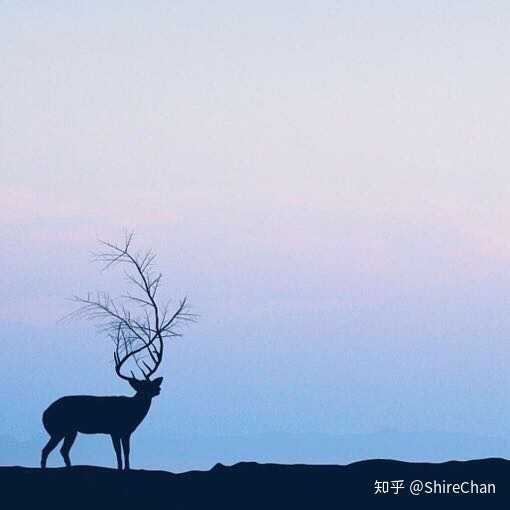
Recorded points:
(326,181)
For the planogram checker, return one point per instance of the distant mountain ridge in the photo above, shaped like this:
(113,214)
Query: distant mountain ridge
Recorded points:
(187,452)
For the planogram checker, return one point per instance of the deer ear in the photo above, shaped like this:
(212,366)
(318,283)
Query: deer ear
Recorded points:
(158,381)
(135,384)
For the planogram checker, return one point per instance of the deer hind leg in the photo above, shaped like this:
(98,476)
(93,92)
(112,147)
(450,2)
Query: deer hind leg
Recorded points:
(50,446)
(66,447)
(116,445)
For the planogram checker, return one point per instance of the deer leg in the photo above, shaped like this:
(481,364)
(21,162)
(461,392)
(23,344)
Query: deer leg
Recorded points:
(125,447)
(116,445)
(50,446)
(66,447)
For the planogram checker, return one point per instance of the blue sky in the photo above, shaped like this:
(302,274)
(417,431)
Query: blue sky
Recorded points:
(327,181)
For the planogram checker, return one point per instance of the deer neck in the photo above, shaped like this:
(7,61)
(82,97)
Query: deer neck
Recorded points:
(143,402)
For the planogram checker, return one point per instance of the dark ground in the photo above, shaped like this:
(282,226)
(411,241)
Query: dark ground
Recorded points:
(252,485)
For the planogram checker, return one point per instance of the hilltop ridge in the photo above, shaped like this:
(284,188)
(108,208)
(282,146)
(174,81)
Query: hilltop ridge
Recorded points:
(252,485)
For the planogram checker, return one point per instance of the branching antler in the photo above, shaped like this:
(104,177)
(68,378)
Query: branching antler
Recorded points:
(137,335)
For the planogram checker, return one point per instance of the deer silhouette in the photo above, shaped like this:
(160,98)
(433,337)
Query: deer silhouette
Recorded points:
(139,343)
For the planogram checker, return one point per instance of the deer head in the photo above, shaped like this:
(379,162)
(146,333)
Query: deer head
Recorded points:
(147,388)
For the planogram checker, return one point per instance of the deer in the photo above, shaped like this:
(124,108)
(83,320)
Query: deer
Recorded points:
(139,343)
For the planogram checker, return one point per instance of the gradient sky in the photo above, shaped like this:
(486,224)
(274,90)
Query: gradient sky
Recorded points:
(328,182)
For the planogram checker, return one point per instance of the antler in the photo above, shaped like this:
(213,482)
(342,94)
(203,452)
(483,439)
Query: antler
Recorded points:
(140,336)
(116,356)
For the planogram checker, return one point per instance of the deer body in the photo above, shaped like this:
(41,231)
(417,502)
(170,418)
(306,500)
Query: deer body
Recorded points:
(116,416)
(96,415)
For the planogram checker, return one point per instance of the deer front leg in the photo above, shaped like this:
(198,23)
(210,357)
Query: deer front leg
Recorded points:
(125,447)
(116,445)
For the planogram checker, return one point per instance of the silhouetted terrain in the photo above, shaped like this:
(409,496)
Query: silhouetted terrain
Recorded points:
(179,453)
(252,485)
